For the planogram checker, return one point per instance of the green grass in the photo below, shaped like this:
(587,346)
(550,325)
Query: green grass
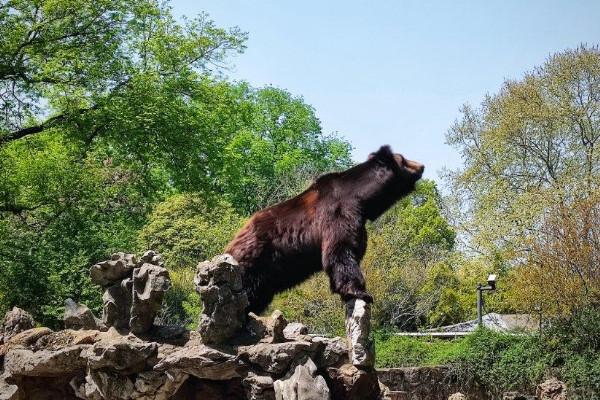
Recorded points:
(402,351)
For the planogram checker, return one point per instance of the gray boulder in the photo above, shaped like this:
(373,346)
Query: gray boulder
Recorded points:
(358,330)
(276,358)
(203,362)
(267,329)
(294,329)
(219,283)
(552,389)
(124,354)
(150,282)
(258,387)
(108,272)
(47,363)
(16,321)
(303,384)
(116,304)
(78,316)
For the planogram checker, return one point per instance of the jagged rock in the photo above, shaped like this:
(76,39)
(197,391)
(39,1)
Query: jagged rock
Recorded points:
(8,391)
(275,358)
(26,362)
(15,321)
(116,304)
(268,329)
(202,362)
(150,282)
(152,385)
(108,272)
(351,383)
(219,283)
(358,329)
(78,316)
(153,257)
(258,387)
(28,337)
(106,385)
(457,396)
(125,354)
(294,329)
(304,384)
(552,389)
(334,353)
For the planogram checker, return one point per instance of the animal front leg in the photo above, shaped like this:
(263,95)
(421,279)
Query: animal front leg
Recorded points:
(345,276)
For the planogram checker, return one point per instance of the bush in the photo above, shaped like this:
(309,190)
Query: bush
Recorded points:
(185,229)
(402,351)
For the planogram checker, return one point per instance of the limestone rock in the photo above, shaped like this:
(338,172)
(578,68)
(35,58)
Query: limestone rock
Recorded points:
(28,337)
(150,282)
(78,316)
(334,353)
(153,258)
(457,396)
(358,329)
(552,389)
(268,329)
(108,272)
(8,391)
(116,304)
(106,384)
(219,283)
(203,362)
(275,358)
(294,329)
(125,354)
(153,385)
(304,384)
(351,383)
(15,321)
(258,387)
(26,362)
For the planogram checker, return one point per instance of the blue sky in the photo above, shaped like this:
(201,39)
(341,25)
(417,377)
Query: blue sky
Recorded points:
(396,72)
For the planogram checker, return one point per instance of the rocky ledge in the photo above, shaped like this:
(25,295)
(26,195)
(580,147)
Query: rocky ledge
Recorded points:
(167,363)
(124,355)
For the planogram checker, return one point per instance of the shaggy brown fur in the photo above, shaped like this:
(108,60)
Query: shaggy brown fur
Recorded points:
(321,228)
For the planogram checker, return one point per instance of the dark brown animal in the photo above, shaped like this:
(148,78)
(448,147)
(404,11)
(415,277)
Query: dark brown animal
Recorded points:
(321,228)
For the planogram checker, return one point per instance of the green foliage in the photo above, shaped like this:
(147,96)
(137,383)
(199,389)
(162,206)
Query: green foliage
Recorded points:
(313,304)
(403,351)
(532,145)
(116,108)
(188,228)
(407,250)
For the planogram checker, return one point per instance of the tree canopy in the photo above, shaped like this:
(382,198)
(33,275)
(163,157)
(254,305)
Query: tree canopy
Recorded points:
(108,108)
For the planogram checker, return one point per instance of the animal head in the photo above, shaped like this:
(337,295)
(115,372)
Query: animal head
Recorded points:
(407,170)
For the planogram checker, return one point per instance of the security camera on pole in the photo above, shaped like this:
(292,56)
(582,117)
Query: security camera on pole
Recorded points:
(480,289)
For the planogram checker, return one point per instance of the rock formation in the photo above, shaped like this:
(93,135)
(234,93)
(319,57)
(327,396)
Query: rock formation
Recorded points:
(15,321)
(78,316)
(358,330)
(133,291)
(552,389)
(231,356)
(219,284)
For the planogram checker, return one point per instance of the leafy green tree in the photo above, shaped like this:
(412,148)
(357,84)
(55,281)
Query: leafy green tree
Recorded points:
(532,145)
(107,109)
(188,228)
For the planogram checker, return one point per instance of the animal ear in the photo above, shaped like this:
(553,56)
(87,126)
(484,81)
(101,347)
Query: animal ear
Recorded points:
(383,152)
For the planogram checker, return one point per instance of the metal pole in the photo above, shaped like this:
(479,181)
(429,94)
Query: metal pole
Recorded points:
(479,306)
